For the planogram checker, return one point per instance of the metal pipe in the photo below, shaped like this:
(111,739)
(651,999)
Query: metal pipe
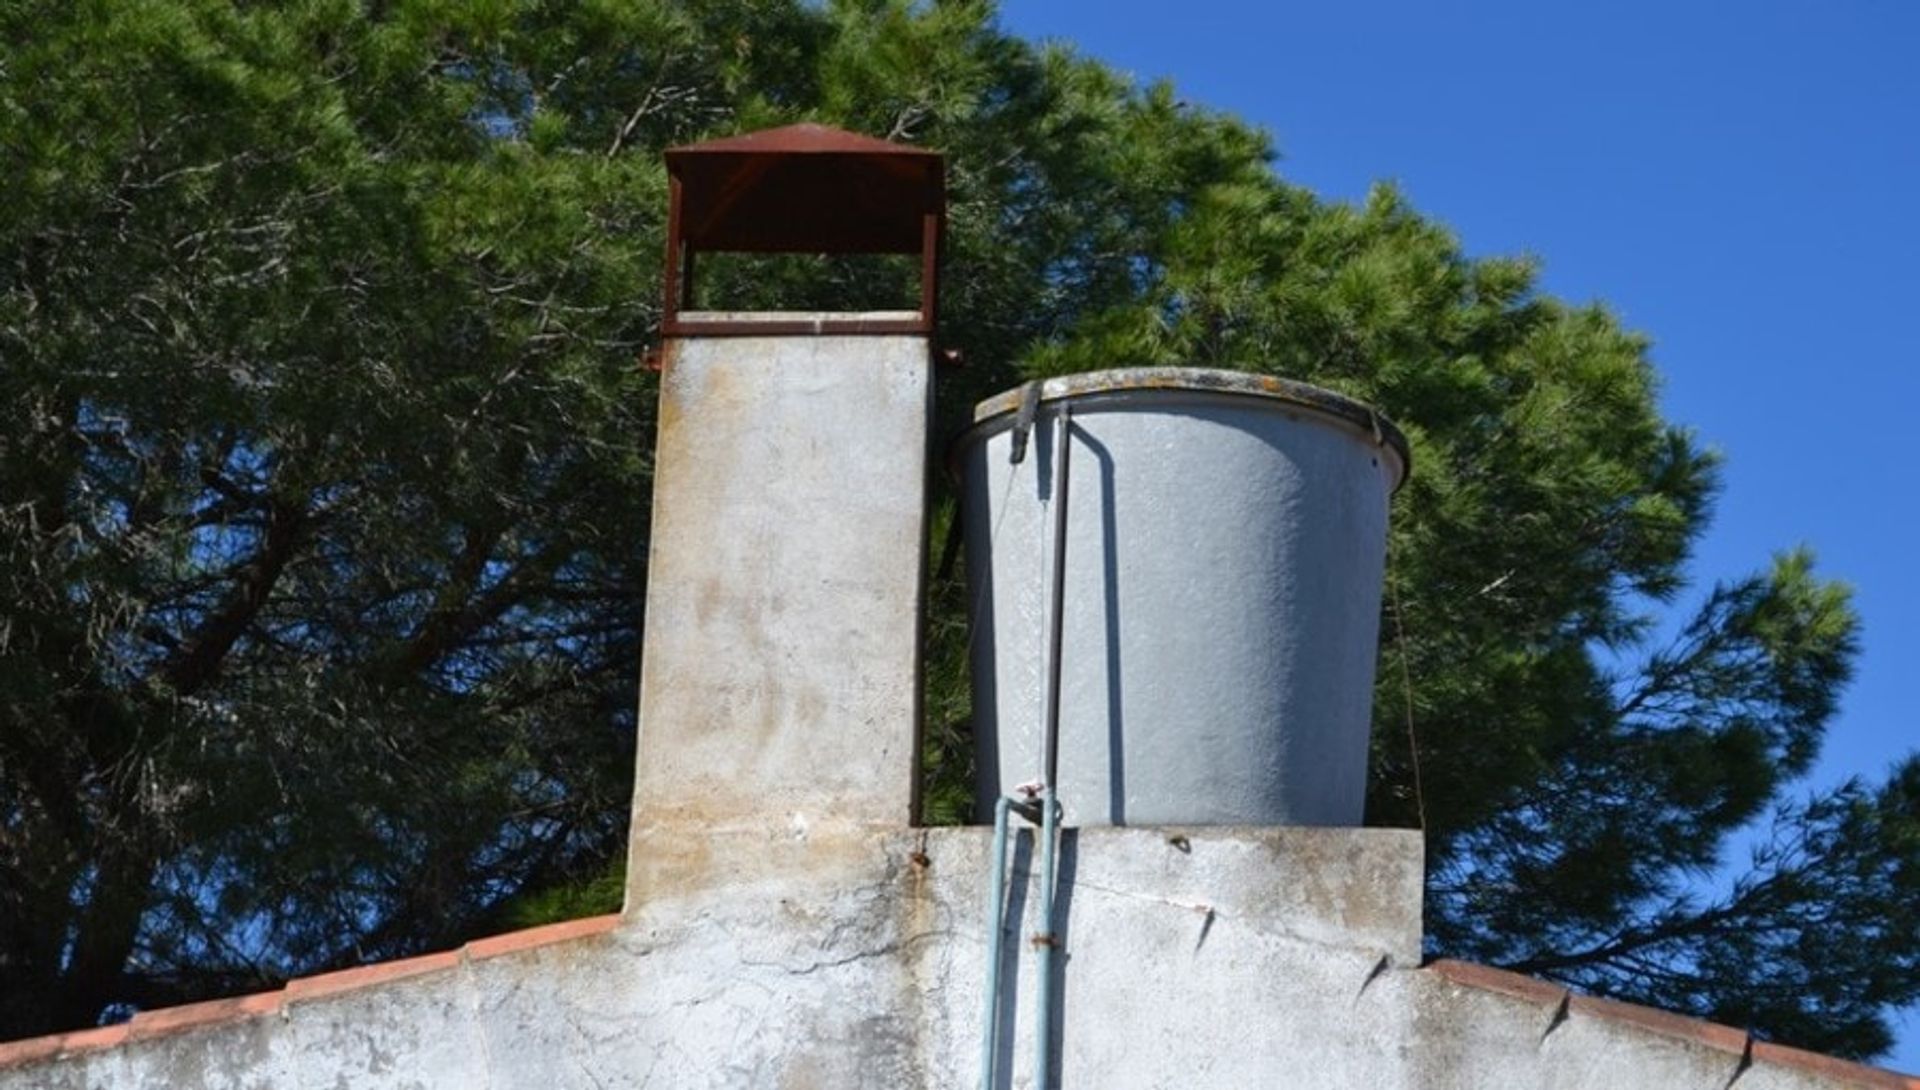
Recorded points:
(1056,632)
(1049,803)
(1002,806)
(1045,940)
(1048,818)
(996,898)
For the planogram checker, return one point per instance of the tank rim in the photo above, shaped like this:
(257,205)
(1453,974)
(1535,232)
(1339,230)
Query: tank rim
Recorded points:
(991,414)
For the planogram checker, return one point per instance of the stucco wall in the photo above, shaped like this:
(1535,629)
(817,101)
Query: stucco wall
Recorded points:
(779,678)
(1197,958)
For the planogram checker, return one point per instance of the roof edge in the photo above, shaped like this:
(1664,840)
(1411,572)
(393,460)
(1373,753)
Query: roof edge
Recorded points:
(804,138)
(167,1021)
(1699,1031)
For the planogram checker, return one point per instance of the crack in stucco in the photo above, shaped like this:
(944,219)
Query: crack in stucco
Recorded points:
(885,950)
(1209,914)
(475,1009)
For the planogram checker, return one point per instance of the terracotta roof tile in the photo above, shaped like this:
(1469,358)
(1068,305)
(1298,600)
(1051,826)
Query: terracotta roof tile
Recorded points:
(1487,978)
(308,988)
(88,1040)
(165,1021)
(1679,1026)
(1829,1067)
(54,1045)
(1726,1039)
(31,1050)
(171,1020)
(516,941)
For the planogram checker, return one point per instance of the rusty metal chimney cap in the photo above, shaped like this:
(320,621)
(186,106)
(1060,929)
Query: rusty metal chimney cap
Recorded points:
(806,189)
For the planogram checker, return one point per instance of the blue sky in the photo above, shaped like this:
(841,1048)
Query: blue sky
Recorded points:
(1739,182)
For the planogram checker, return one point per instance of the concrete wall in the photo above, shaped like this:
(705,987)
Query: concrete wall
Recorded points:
(780,675)
(1196,958)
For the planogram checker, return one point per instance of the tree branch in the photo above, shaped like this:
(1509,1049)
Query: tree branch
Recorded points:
(200,655)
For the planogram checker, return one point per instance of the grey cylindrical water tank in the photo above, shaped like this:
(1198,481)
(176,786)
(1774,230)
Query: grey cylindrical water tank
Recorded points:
(1225,544)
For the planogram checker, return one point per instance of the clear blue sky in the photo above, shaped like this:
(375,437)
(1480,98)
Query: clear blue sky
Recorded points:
(1738,181)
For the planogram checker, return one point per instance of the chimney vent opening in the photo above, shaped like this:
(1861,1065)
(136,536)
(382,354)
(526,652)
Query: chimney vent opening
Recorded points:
(805,190)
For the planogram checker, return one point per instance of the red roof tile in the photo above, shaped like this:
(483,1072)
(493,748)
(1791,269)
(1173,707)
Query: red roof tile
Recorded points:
(310,988)
(1486,978)
(1828,1067)
(31,1050)
(515,941)
(1710,1034)
(88,1040)
(170,1020)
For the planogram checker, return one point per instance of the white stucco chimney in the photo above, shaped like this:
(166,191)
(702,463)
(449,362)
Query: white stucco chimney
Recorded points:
(780,675)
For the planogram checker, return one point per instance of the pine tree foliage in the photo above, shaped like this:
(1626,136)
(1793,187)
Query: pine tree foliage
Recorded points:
(324,469)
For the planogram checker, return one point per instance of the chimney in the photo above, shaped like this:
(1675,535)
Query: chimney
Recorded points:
(780,682)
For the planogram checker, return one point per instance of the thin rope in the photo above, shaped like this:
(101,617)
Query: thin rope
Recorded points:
(1406,694)
(993,538)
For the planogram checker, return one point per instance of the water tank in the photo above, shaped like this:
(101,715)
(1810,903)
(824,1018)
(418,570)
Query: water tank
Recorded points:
(1225,539)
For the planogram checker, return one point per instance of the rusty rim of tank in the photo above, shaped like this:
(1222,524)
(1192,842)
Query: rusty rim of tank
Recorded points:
(1092,387)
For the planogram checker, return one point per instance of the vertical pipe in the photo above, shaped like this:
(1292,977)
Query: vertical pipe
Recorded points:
(1056,631)
(1049,817)
(930,225)
(1050,805)
(996,905)
(1043,1009)
(670,311)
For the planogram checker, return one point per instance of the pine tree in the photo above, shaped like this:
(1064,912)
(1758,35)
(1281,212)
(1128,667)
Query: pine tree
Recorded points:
(324,464)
